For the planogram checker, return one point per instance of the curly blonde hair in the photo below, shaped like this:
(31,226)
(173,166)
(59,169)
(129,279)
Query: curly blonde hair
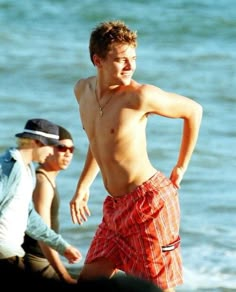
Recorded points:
(108,33)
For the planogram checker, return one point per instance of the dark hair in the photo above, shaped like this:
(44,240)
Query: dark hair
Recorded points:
(64,134)
(108,33)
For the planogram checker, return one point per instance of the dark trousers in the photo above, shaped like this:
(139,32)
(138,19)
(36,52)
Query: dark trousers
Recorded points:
(13,264)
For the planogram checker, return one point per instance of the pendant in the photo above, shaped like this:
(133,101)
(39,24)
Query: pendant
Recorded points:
(101,112)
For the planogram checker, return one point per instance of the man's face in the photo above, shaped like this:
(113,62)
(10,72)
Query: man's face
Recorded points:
(120,64)
(61,157)
(41,152)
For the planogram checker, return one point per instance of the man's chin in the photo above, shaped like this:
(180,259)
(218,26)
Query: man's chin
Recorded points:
(126,81)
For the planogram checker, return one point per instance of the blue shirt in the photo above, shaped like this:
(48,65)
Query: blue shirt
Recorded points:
(10,176)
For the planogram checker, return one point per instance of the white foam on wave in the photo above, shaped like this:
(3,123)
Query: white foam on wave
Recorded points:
(209,268)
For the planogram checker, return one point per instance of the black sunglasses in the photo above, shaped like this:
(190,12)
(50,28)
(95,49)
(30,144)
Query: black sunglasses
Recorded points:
(64,148)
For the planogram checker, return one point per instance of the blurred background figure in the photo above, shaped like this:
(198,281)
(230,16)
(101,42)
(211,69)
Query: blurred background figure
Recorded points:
(40,258)
(17,182)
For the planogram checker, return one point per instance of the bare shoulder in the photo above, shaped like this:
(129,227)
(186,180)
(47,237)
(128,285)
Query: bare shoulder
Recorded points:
(146,93)
(149,89)
(44,189)
(82,82)
(144,89)
(159,101)
(82,85)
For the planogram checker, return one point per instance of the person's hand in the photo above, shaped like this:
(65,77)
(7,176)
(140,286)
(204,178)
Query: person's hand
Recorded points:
(72,281)
(68,279)
(177,176)
(72,254)
(79,208)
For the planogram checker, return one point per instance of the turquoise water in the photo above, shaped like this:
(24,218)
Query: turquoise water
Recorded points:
(186,47)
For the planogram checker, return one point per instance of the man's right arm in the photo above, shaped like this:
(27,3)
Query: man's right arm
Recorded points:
(79,203)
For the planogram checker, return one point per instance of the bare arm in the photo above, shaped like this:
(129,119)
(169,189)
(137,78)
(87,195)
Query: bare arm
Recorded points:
(79,203)
(177,106)
(192,121)
(43,197)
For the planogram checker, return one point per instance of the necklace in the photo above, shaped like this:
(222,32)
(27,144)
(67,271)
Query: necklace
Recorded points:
(101,108)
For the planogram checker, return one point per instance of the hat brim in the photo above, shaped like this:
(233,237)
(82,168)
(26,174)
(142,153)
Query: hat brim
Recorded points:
(43,140)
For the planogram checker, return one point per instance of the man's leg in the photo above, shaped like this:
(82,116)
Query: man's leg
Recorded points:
(99,268)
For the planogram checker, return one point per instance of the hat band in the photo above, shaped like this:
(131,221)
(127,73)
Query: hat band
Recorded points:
(42,134)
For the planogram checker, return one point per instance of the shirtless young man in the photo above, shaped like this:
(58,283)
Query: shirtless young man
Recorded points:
(139,232)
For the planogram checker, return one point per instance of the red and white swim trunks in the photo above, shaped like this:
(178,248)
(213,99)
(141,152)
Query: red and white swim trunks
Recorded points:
(139,233)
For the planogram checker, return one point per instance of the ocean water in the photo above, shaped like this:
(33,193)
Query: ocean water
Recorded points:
(186,47)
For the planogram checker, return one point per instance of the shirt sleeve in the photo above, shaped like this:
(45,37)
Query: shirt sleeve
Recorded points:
(39,230)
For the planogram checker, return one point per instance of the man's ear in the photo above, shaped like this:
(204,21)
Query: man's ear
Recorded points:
(96,60)
(37,143)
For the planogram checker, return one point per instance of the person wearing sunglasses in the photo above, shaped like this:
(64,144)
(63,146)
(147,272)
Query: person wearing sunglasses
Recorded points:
(17,181)
(40,258)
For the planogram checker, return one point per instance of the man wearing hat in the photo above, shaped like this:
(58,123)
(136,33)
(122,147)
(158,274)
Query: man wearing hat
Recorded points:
(39,257)
(17,181)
